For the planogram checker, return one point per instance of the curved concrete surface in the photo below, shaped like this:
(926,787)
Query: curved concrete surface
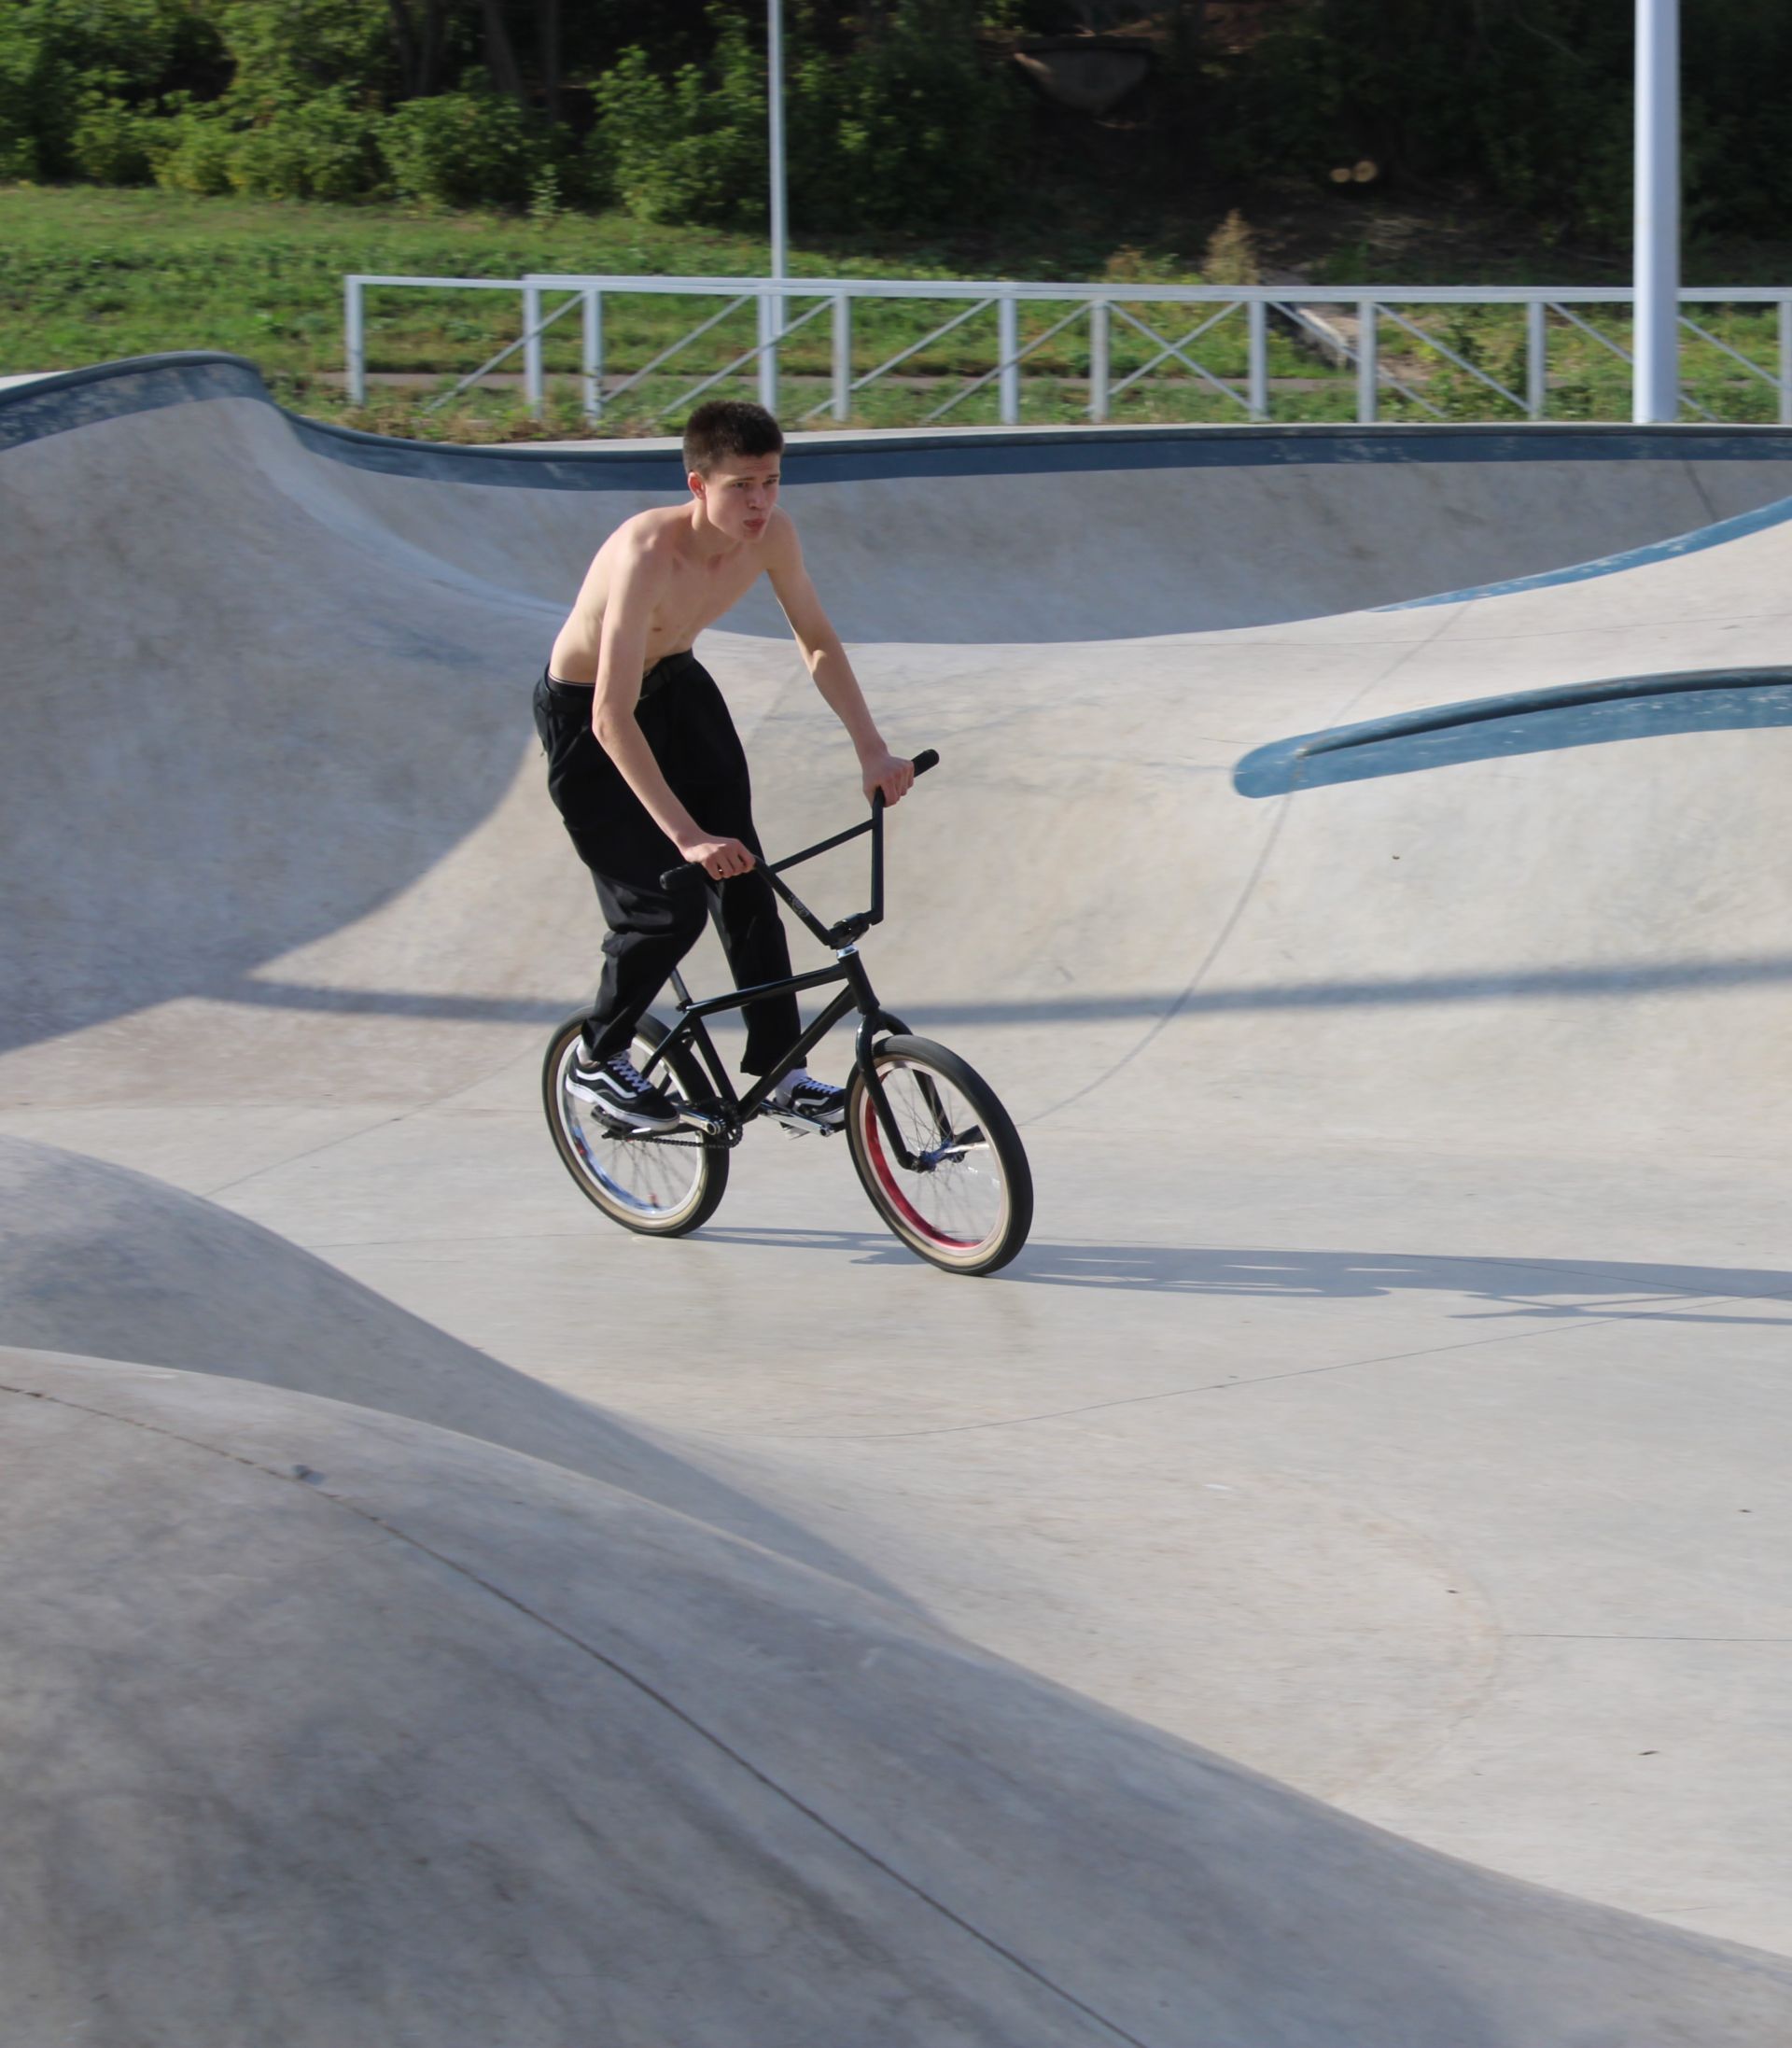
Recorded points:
(1390,1400)
(644,1783)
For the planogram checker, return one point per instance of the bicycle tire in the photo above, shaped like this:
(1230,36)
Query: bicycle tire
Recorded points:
(970,1210)
(657,1188)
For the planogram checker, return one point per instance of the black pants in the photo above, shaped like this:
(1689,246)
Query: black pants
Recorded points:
(684,719)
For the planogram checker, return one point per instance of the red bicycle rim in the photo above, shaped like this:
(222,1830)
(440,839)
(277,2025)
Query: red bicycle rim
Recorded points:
(909,1213)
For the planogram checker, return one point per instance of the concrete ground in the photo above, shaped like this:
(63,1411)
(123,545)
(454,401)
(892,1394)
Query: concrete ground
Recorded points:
(1361,1503)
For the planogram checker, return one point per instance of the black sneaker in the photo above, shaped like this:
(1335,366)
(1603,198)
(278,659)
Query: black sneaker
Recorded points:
(800,1101)
(615,1088)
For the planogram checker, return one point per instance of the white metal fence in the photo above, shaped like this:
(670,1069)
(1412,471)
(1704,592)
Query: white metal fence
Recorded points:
(1356,327)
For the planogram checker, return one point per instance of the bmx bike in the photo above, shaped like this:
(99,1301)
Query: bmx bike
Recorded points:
(933,1147)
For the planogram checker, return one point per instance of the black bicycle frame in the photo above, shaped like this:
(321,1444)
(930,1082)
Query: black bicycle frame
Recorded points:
(858,994)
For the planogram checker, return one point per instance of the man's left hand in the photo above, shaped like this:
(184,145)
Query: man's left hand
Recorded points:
(885,775)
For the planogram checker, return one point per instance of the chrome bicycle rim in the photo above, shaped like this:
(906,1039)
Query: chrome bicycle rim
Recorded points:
(655,1180)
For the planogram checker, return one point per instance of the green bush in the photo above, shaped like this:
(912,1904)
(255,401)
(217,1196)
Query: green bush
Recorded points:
(75,76)
(286,52)
(909,129)
(109,144)
(467,149)
(192,147)
(692,147)
(1532,104)
(19,64)
(325,148)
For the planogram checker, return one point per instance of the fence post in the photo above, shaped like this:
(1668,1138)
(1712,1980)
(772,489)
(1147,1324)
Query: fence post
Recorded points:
(1536,357)
(771,308)
(1099,328)
(534,384)
(592,352)
(1008,350)
(1786,362)
(354,312)
(1367,366)
(1256,313)
(842,356)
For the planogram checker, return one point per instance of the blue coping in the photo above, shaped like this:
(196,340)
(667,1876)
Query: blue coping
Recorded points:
(1712,536)
(55,404)
(1526,722)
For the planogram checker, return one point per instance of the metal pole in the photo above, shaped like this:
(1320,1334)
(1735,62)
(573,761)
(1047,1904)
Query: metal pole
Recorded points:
(356,343)
(774,98)
(775,104)
(1536,324)
(842,356)
(771,315)
(1008,356)
(593,365)
(1367,363)
(1656,385)
(1256,315)
(1100,331)
(534,384)
(1786,362)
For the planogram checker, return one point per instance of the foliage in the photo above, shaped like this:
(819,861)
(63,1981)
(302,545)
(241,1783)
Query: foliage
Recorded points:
(1529,100)
(73,73)
(904,115)
(910,128)
(190,149)
(692,146)
(323,147)
(1231,256)
(467,149)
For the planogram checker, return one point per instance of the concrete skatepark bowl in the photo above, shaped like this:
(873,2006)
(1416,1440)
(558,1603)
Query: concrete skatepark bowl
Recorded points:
(1331,1592)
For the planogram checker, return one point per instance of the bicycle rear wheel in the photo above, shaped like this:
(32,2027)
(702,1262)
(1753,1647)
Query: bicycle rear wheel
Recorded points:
(662,1187)
(968,1203)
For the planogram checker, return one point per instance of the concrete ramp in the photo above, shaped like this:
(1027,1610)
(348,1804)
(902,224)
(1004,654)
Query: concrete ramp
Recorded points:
(485,1750)
(1391,1402)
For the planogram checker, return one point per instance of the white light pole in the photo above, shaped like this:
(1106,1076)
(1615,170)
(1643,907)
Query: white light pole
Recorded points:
(775,94)
(1656,394)
(770,303)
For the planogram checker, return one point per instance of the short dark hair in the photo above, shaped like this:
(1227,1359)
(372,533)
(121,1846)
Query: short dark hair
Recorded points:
(729,429)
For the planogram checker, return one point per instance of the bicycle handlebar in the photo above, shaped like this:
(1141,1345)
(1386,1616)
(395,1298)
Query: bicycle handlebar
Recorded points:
(692,872)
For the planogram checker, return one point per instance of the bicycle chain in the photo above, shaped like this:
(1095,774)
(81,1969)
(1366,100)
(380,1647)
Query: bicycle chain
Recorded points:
(691,1142)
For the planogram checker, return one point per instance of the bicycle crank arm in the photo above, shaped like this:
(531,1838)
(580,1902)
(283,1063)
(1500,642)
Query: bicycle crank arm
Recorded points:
(702,1121)
(956,1147)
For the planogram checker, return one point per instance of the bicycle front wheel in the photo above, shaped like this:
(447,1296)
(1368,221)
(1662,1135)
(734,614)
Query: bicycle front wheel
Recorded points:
(966,1204)
(662,1187)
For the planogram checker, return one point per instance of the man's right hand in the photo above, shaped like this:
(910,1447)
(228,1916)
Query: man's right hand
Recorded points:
(718,858)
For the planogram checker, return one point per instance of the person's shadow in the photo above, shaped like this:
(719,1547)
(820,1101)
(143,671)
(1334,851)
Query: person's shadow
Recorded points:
(1539,1288)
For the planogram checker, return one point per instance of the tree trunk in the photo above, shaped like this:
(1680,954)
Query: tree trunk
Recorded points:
(404,36)
(500,58)
(547,15)
(430,59)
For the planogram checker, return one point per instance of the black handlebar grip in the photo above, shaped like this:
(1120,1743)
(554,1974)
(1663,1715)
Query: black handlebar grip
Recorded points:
(925,760)
(687,876)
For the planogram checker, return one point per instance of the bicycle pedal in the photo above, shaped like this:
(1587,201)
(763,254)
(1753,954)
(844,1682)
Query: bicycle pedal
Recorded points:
(793,1124)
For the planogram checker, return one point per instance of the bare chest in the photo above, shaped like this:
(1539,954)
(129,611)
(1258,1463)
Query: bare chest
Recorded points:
(692,596)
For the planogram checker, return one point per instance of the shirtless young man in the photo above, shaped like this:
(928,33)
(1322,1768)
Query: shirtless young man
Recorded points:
(645,768)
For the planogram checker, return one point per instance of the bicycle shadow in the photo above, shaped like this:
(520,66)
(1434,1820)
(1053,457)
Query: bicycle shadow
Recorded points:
(1515,1287)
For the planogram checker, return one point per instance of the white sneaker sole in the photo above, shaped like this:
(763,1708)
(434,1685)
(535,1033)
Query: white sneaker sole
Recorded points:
(630,1122)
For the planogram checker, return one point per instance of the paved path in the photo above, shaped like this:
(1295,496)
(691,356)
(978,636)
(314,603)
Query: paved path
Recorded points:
(521,1621)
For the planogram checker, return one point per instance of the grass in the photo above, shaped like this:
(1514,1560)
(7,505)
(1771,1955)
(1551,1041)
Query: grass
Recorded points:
(93,273)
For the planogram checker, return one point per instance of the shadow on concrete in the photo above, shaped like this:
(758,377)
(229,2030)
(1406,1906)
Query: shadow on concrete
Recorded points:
(1636,978)
(1545,1288)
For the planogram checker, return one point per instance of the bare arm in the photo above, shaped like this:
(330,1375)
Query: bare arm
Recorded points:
(827,662)
(622,654)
